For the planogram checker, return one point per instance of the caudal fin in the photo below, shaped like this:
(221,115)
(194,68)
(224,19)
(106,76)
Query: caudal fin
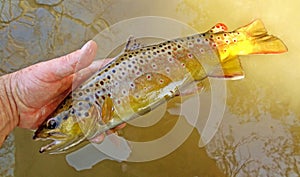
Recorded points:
(252,39)
(261,42)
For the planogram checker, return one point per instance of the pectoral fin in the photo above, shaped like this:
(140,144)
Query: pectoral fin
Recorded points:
(88,118)
(107,110)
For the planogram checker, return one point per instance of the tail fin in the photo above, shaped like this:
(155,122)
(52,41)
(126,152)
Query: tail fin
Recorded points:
(261,42)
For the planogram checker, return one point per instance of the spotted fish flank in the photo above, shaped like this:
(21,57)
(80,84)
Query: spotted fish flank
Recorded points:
(143,77)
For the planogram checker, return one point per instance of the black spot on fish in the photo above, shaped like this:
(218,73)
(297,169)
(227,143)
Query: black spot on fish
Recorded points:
(101,82)
(97,97)
(80,93)
(86,114)
(97,103)
(87,99)
(72,111)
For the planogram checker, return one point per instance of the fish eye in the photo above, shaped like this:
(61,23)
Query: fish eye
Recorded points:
(51,124)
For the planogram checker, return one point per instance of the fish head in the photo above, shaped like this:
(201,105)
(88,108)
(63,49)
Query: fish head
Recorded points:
(63,129)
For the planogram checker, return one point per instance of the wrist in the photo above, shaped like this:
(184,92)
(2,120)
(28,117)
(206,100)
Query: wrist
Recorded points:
(9,117)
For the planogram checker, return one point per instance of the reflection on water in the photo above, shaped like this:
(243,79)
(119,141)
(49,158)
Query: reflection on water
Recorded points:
(260,131)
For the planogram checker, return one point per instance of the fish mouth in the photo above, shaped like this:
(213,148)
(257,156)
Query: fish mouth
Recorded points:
(48,147)
(59,145)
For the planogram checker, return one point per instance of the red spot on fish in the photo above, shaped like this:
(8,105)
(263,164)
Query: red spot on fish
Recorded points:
(148,76)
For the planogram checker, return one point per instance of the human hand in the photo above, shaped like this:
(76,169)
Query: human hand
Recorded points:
(38,89)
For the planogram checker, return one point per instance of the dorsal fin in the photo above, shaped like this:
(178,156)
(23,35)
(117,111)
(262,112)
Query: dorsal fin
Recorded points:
(132,44)
(219,27)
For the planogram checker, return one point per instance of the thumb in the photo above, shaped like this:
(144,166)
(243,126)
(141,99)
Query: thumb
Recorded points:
(66,65)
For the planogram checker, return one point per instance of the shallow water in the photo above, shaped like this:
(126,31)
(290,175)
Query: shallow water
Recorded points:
(260,132)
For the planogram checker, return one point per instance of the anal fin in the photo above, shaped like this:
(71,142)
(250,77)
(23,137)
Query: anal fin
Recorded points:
(230,69)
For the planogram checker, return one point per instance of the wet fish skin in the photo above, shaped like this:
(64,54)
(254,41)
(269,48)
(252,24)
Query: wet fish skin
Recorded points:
(141,78)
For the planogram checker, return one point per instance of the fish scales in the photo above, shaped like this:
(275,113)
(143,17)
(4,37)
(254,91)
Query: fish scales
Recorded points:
(141,78)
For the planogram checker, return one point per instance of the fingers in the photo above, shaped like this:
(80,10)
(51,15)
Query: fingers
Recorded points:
(56,69)
(98,139)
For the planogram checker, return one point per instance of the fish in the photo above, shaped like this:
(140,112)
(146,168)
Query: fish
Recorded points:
(144,76)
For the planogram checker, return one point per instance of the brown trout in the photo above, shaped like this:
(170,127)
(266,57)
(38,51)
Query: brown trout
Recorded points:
(143,77)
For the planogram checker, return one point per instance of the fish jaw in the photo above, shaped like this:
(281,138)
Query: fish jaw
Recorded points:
(60,146)
(60,142)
